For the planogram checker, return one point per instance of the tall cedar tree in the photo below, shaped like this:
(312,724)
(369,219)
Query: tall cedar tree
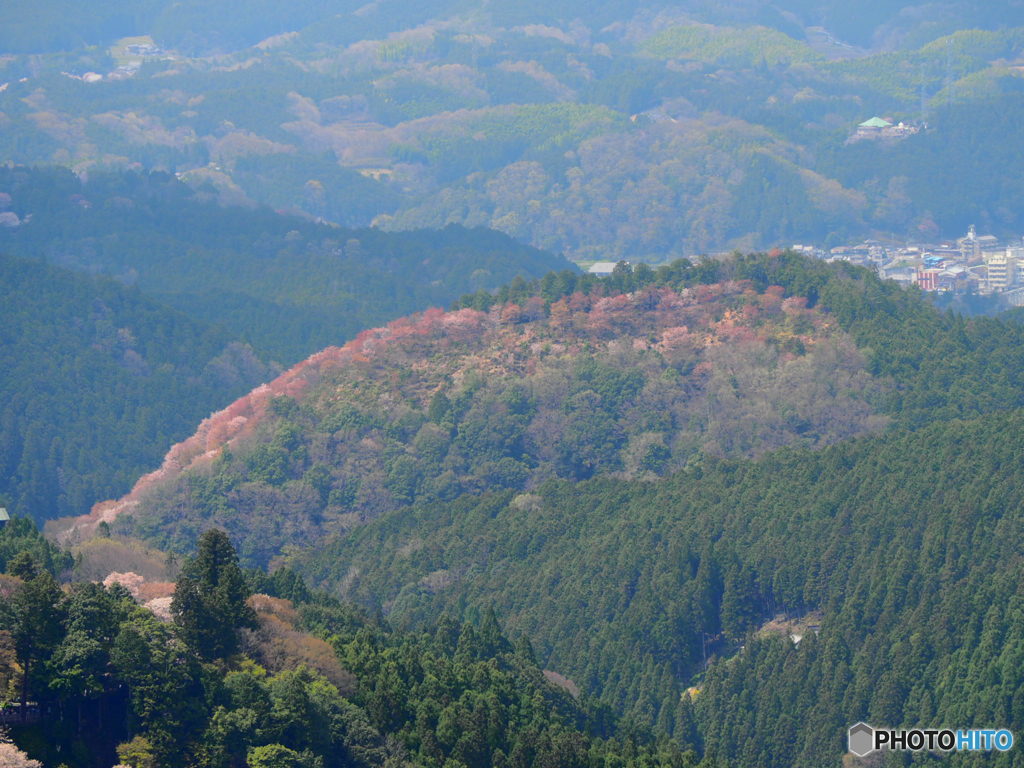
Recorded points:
(36,615)
(209,598)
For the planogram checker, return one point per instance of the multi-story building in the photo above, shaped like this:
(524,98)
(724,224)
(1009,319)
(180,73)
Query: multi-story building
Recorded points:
(928,279)
(1001,269)
(970,248)
(989,243)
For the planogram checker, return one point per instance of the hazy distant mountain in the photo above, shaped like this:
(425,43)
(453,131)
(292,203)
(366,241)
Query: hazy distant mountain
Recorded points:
(284,284)
(606,131)
(95,380)
(205,27)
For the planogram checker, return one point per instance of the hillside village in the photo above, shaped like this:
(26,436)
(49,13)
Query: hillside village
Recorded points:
(972,264)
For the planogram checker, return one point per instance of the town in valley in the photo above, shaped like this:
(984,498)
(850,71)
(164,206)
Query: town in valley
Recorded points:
(972,264)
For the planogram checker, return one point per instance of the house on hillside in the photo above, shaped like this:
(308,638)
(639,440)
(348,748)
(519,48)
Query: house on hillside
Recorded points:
(872,128)
(880,128)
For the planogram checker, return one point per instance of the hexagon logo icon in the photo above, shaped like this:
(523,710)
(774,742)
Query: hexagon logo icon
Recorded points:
(860,739)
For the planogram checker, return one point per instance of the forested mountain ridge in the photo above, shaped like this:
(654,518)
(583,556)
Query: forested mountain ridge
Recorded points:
(286,285)
(571,376)
(443,404)
(645,131)
(207,301)
(95,379)
(213,27)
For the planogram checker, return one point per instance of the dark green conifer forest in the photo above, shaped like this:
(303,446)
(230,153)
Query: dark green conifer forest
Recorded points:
(289,677)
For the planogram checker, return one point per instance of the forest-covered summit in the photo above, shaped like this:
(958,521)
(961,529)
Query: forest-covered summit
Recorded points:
(442,404)
(568,377)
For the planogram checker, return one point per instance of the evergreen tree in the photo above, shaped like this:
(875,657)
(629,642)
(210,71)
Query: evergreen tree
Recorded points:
(35,617)
(209,598)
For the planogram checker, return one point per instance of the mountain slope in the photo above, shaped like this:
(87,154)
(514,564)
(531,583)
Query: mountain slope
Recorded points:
(443,404)
(311,682)
(556,451)
(570,376)
(94,378)
(905,544)
(285,285)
